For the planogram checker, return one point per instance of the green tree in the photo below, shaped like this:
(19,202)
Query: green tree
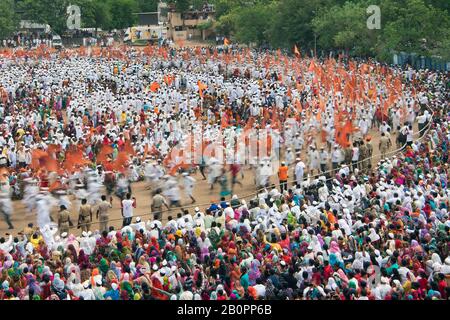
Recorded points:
(147,5)
(197,4)
(224,7)
(292,22)
(102,16)
(181,5)
(251,24)
(229,15)
(225,24)
(123,13)
(439,4)
(443,48)
(345,27)
(417,27)
(94,14)
(51,12)
(8,19)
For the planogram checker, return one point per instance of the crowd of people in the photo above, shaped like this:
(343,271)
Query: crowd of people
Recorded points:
(78,127)
(27,40)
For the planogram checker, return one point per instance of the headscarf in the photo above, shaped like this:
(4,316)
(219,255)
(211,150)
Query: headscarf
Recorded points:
(83,260)
(254,272)
(334,247)
(103,266)
(58,283)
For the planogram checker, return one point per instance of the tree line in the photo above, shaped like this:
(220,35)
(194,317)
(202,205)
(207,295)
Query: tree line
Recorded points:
(419,26)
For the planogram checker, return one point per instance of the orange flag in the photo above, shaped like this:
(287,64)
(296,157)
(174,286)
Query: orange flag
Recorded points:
(298,106)
(168,79)
(128,148)
(154,86)
(174,170)
(50,164)
(121,162)
(102,156)
(226,42)
(74,158)
(297,52)
(201,87)
(312,66)
(37,159)
(224,122)
(343,133)
(249,124)
(398,85)
(289,92)
(55,186)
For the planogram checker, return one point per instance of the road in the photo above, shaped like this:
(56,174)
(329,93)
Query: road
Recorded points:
(202,193)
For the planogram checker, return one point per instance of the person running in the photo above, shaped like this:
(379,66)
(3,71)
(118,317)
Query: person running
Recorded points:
(235,168)
(189,183)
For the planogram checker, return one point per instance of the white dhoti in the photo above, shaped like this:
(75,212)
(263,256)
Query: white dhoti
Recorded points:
(43,216)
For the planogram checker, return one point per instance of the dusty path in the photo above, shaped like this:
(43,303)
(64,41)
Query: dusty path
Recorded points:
(202,193)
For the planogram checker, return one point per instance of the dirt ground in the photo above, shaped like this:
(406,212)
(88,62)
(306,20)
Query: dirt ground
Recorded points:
(202,193)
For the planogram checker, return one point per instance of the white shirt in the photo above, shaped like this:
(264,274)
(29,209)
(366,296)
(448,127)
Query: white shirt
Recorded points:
(260,290)
(336,156)
(299,168)
(355,155)
(421,119)
(127,208)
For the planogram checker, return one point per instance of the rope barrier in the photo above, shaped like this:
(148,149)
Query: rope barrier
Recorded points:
(253,194)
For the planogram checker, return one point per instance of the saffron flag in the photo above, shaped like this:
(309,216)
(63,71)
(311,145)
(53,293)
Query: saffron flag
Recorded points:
(296,51)
(201,87)
(226,42)
(154,86)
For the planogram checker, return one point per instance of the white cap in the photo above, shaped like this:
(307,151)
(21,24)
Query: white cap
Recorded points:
(98,279)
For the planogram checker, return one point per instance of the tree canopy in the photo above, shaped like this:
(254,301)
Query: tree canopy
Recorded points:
(419,26)
(8,19)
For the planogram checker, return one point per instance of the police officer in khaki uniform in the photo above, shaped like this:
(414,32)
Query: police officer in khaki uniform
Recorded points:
(64,221)
(157,203)
(85,216)
(384,145)
(103,214)
(363,156)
